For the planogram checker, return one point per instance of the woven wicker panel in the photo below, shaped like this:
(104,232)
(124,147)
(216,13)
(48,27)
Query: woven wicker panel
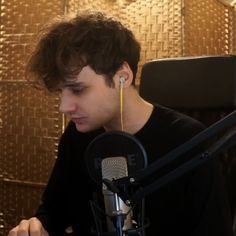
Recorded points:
(25,17)
(107,6)
(29,135)
(234,31)
(30,123)
(13,53)
(20,21)
(207,28)
(157,25)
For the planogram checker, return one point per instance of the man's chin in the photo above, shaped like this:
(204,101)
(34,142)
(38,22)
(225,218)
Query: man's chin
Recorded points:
(84,128)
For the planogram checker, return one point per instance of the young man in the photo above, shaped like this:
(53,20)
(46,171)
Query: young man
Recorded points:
(88,58)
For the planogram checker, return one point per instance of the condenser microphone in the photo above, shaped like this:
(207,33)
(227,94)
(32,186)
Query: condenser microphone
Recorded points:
(115,208)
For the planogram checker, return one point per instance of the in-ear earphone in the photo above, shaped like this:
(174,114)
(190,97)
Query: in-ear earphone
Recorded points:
(122,80)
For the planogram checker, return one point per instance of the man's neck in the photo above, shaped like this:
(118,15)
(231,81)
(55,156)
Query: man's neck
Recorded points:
(136,113)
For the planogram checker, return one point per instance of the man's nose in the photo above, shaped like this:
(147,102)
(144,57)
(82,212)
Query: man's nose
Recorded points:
(67,104)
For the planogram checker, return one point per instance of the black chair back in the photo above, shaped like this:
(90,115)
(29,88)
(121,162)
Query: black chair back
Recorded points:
(203,87)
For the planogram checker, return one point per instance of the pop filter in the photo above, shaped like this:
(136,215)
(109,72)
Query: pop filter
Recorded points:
(114,144)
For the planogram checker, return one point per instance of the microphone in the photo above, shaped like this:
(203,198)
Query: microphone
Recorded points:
(119,215)
(116,155)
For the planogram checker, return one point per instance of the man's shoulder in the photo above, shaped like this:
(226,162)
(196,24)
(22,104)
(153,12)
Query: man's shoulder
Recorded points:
(176,119)
(175,125)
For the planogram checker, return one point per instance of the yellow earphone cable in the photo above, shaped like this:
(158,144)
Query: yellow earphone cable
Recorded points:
(121,105)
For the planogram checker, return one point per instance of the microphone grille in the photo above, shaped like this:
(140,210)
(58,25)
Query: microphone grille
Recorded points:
(114,168)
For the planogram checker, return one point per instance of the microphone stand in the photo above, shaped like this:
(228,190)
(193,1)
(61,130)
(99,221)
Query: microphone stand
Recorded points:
(118,219)
(140,179)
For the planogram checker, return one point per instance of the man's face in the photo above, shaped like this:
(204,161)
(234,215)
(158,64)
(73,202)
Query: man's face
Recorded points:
(89,102)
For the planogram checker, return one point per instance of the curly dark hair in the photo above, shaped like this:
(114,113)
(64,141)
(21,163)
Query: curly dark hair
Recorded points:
(92,39)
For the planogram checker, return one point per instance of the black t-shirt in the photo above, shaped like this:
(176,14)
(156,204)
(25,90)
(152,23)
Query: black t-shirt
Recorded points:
(192,205)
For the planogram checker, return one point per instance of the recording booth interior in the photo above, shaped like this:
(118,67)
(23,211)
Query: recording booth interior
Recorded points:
(202,87)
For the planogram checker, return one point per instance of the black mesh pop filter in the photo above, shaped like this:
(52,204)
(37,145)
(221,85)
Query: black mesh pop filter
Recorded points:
(114,144)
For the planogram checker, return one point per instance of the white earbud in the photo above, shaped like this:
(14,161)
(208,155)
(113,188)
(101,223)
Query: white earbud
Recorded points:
(122,81)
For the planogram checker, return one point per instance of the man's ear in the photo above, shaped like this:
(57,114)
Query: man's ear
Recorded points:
(124,76)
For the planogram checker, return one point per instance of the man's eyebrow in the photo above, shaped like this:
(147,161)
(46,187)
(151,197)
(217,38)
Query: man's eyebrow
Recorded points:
(75,84)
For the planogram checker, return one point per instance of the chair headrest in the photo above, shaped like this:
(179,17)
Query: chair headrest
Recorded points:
(190,82)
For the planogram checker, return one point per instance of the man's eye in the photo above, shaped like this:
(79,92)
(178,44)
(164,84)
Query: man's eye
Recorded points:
(77,90)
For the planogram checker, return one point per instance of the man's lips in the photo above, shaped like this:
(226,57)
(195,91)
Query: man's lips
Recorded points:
(78,120)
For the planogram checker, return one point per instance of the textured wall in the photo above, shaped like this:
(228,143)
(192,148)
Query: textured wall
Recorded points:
(234,31)
(207,28)
(29,120)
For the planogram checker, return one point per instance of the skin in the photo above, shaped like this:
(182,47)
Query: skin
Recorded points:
(32,227)
(90,103)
